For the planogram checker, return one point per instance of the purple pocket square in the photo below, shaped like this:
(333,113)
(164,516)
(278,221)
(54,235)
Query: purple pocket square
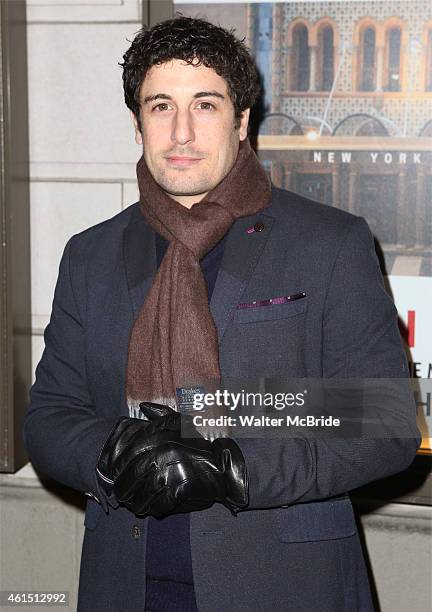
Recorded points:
(285,299)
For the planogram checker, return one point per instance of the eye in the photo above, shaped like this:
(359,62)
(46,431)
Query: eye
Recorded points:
(206,106)
(162,106)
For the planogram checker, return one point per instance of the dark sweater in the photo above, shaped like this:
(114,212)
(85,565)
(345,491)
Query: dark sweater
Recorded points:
(169,579)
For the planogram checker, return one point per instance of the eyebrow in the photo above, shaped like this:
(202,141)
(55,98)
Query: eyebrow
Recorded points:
(199,94)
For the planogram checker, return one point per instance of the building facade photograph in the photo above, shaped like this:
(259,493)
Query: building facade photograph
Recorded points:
(347,113)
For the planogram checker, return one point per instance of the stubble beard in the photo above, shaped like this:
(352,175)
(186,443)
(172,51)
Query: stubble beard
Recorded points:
(183,185)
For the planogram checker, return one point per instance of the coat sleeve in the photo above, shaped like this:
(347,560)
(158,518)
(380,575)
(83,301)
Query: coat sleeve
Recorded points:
(62,432)
(360,340)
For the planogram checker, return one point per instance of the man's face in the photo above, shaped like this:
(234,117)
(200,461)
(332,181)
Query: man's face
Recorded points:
(189,137)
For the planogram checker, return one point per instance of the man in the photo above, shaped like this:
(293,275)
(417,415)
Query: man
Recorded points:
(180,288)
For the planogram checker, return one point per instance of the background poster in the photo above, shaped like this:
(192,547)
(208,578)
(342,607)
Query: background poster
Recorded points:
(346,120)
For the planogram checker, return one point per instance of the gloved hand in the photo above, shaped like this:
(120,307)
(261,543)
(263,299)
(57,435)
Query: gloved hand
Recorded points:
(131,436)
(157,472)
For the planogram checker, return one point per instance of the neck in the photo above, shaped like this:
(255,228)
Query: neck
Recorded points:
(187,200)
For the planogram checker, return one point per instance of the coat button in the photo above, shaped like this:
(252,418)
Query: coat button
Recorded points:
(136,532)
(259,226)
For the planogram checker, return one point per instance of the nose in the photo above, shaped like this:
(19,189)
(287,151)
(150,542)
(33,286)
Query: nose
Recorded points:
(182,129)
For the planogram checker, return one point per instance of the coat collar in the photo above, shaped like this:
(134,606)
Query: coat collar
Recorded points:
(241,255)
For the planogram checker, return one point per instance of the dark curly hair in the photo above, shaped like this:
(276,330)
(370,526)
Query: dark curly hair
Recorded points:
(195,41)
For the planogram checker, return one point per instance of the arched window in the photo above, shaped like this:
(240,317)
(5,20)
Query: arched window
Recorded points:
(360,124)
(326,58)
(428,80)
(301,59)
(367,79)
(393,44)
(280,124)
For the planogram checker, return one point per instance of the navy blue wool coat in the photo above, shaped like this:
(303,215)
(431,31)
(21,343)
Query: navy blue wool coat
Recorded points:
(296,547)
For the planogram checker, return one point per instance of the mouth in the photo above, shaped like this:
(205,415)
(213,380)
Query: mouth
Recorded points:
(182,161)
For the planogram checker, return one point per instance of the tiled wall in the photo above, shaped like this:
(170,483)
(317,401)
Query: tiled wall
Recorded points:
(82,148)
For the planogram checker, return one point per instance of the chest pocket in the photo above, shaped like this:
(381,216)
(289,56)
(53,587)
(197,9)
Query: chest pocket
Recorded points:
(265,340)
(270,312)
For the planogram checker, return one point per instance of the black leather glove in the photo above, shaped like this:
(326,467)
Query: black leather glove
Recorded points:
(132,436)
(157,472)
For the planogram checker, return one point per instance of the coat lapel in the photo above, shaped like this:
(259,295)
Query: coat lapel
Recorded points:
(242,252)
(241,255)
(139,256)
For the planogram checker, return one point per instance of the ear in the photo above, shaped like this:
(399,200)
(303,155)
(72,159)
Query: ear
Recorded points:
(138,135)
(244,120)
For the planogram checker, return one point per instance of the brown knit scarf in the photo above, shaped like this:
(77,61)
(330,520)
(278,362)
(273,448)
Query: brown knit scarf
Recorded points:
(174,339)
